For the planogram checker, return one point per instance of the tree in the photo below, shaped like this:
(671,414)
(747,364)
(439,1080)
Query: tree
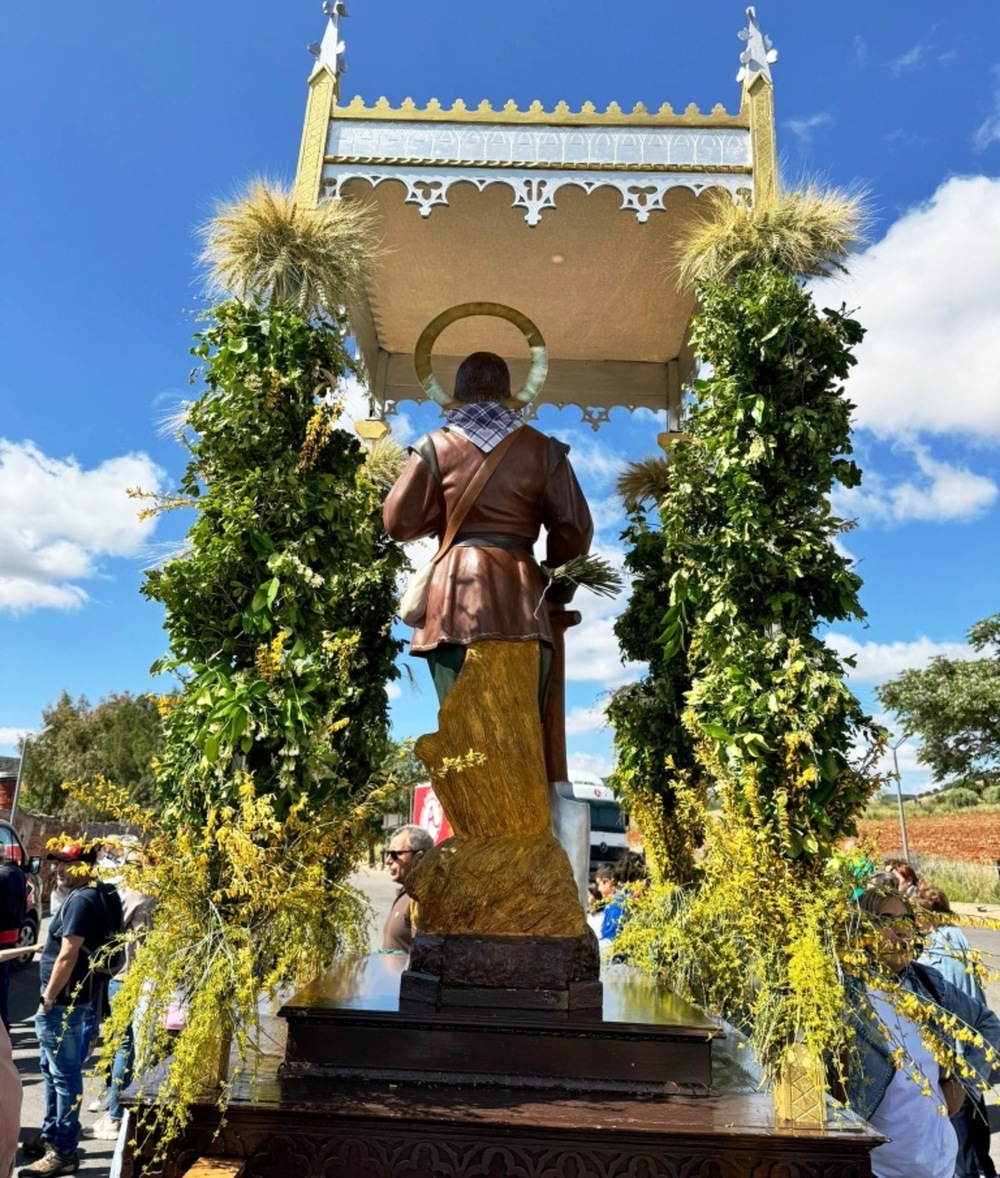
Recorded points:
(117,739)
(279,616)
(750,570)
(653,749)
(954,707)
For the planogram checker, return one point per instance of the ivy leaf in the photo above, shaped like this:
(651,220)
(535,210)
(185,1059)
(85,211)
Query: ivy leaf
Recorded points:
(717,732)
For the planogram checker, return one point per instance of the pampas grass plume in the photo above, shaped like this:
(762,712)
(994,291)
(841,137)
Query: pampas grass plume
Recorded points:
(644,481)
(808,232)
(313,259)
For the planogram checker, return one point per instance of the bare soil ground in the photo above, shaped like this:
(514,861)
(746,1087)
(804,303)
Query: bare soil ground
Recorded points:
(969,836)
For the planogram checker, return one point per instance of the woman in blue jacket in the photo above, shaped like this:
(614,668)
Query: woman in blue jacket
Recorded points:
(889,1049)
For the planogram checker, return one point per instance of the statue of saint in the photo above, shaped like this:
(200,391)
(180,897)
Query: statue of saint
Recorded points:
(488,586)
(490,636)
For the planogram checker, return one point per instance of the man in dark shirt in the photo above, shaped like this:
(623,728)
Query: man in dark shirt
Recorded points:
(406,848)
(13,895)
(87,918)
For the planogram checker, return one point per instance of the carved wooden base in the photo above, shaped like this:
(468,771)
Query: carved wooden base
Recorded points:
(307,1129)
(454,973)
(368,1090)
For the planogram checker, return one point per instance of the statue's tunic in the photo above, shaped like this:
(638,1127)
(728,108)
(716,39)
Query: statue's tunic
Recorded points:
(488,585)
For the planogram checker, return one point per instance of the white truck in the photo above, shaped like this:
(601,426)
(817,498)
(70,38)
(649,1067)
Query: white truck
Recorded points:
(608,823)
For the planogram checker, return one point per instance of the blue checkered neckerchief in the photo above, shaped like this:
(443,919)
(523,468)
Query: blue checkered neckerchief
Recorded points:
(483,423)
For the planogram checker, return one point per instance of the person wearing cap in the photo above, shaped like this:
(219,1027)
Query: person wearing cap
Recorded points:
(89,916)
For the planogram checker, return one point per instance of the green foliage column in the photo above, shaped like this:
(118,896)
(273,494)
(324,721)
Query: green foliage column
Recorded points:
(753,572)
(654,751)
(279,611)
(749,529)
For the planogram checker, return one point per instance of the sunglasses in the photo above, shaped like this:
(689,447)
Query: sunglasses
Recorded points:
(904,921)
(394,855)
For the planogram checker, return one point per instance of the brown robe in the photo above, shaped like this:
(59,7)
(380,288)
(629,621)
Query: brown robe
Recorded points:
(490,592)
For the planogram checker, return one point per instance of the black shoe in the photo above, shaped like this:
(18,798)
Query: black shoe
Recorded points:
(52,1164)
(36,1147)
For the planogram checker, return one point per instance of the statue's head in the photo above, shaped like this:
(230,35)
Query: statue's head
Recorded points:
(483,376)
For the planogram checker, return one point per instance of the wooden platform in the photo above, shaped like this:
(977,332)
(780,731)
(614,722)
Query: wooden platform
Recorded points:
(323,1129)
(351,1025)
(504,1108)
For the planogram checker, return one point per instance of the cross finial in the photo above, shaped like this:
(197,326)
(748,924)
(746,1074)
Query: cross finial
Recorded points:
(330,51)
(759,55)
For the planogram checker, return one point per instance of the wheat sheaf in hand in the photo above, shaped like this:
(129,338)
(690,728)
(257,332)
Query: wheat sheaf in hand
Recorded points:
(587,572)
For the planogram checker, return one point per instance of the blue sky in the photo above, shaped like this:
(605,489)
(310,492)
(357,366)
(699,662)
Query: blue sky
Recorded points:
(123,123)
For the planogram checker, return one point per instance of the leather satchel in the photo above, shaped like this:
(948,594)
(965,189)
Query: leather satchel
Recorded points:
(413,603)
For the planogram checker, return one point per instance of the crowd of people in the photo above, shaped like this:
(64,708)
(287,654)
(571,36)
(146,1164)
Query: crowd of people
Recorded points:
(893,1078)
(92,939)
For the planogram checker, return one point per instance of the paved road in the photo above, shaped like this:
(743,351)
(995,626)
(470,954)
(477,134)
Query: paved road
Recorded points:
(96,1155)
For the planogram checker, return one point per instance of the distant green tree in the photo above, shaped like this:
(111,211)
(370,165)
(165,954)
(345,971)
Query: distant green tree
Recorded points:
(117,739)
(953,705)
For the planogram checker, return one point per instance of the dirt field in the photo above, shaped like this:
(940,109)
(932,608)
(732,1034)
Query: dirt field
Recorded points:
(971,836)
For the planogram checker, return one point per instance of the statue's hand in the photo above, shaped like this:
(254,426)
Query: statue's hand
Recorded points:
(559,592)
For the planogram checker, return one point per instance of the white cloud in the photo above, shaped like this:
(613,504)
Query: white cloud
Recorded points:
(593,462)
(57,520)
(585,721)
(9,737)
(910,60)
(942,493)
(393,691)
(589,763)
(988,130)
(355,402)
(929,295)
(860,47)
(878,661)
(607,514)
(592,650)
(904,140)
(803,128)
(655,417)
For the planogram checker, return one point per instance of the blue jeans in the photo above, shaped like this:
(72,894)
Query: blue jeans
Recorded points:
(60,1039)
(121,1067)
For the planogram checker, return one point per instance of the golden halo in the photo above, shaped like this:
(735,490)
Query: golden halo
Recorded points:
(428,338)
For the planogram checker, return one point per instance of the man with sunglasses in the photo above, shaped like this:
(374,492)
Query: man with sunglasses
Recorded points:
(407,847)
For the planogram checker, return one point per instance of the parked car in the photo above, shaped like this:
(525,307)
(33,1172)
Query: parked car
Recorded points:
(12,851)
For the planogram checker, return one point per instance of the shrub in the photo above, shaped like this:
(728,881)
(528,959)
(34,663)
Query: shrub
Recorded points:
(956,799)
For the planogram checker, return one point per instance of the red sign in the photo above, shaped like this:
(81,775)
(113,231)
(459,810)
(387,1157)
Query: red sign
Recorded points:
(429,813)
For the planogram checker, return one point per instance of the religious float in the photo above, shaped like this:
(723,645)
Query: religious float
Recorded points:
(499,1050)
